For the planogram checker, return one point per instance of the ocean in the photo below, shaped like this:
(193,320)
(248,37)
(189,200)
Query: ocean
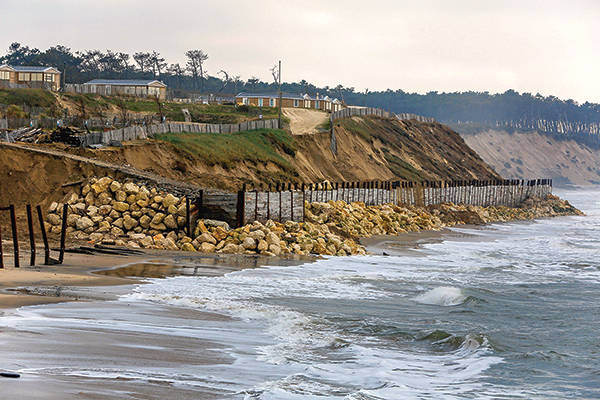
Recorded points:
(503,311)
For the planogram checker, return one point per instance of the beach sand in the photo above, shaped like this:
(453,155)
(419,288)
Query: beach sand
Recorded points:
(85,282)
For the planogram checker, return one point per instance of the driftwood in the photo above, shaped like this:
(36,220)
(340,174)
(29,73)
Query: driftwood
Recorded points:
(101,249)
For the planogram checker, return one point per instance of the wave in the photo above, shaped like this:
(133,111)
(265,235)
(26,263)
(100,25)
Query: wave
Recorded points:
(442,296)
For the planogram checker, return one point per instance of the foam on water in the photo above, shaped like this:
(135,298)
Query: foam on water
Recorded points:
(311,342)
(442,296)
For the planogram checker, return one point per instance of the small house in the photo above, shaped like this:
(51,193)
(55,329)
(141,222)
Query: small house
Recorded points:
(132,87)
(30,77)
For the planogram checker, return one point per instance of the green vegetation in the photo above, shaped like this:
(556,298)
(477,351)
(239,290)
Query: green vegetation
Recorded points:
(28,97)
(400,168)
(356,126)
(256,146)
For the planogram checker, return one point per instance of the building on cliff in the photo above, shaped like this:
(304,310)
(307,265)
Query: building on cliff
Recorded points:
(115,87)
(39,77)
(288,100)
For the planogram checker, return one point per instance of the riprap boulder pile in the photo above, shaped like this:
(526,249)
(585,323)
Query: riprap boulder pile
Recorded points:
(128,214)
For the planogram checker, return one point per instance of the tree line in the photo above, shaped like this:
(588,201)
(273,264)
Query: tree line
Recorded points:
(544,113)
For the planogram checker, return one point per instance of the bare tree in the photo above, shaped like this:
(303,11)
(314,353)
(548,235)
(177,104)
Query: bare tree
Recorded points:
(159,104)
(225,80)
(122,108)
(275,74)
(195,62)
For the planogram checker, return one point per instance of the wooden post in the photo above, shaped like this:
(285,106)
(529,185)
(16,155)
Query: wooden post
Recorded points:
(1,254)
(292,203)
(241,206)
(269,202)
(63,234)
(188,224)
(44,236)
(13,221)
(255,205)
(31,234)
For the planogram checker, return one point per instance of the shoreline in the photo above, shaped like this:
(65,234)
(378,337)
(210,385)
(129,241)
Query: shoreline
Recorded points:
(48,284)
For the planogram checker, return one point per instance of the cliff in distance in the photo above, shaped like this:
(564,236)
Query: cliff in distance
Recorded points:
(526,154)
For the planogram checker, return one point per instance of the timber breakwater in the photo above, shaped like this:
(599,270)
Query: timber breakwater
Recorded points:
(108,211)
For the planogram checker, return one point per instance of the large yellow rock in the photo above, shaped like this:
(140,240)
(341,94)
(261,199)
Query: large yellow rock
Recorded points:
(102,185)
(121,206)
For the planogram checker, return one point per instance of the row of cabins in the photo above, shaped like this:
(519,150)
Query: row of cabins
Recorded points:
(49,78)
(289,101)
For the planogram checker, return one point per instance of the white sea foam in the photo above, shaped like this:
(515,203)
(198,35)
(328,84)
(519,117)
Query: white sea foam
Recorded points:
(442,296)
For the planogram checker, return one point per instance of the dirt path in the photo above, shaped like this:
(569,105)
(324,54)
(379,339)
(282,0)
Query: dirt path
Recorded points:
(303,122)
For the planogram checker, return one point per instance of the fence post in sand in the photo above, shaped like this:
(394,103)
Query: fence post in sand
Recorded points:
(63,234)
(241,206)
(31,235)
(1,255)
(44,236)
(13,221)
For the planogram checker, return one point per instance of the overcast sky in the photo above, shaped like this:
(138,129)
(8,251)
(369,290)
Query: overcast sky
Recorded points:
(549,47)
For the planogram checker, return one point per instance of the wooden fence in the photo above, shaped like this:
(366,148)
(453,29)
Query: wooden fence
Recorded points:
(142,132)
(474,192)
(287,203)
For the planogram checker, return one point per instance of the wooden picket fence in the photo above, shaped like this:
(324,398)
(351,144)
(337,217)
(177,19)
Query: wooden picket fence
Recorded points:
(143,131)
(286,203)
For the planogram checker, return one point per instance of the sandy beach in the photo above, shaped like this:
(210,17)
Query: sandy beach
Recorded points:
(86,283)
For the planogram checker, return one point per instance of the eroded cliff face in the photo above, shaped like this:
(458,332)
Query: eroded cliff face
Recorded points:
(371,148)
(529,154)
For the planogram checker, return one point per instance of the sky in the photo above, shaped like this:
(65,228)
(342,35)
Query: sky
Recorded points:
(537,46)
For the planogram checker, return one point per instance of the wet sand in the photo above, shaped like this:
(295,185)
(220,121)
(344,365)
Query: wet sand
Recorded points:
(41,354)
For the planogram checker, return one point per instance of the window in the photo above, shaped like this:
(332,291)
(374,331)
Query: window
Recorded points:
(5,75)
(260,102)
(296,104)
(245,101)
(37,77)
(271,102)
(49,77)
(24,76)
(317,104)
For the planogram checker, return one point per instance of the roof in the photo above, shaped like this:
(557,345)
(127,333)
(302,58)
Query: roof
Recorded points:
(126,82)
(30,68)
(273,95)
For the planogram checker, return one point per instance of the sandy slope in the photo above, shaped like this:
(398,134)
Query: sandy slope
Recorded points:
(529,155)
(304,121)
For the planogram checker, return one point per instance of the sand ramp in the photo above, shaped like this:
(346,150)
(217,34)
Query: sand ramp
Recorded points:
(303,121)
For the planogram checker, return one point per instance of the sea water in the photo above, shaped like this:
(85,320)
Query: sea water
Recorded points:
(503,311)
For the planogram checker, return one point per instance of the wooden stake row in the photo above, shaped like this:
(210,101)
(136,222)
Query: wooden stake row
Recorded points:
(13,222)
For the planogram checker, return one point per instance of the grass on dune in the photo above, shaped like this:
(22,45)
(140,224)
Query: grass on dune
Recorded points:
(256,146)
